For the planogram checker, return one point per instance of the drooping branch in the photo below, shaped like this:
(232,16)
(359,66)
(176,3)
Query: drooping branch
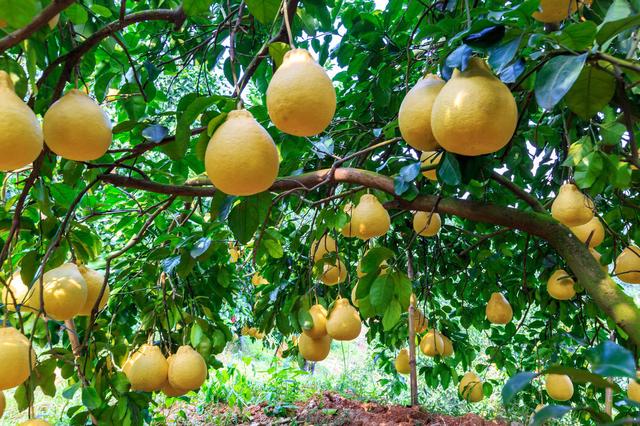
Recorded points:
(607,294)
(38,22)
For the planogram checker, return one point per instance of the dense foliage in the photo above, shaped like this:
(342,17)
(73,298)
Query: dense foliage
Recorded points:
(181,256)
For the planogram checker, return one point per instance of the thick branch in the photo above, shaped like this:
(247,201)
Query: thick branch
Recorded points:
(609,296)
(38,22)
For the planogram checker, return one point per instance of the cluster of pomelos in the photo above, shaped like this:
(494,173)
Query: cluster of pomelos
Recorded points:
(148,370)
(65,292)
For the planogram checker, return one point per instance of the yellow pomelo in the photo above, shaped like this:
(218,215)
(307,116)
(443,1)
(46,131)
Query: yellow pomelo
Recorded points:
(3,404)
(146,369)
(383,267)
(258,279)
(314,349)
(571,207)
(334,274)
(76,128)
(628,265)
(402,362)
(234,252)
(343,323)
(35,422)
(560,285)
(498,309)
(414,117)
(18,293)
(448,346)
(348,230)
(21,137)
(432,343)
(94,280)
(426,224)
(475,113)
(241,158)
(325,245)
(555,10)
(172,392)
(420,323)
(187,369)
(633,390)
(470,387)
(559,387)
(582,232)
(429,158)
(370,218)
(301,99)
(319,315)
(15,355)
(65,292)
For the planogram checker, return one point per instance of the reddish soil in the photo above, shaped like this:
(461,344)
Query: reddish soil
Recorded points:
(335,410)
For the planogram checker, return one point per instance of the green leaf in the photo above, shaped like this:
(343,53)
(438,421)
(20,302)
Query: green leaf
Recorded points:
(381,293)
(591,92)
(178,148)
(155,133)
(373,258)
(277,51)
(578,36)
(391,315)
(305,319)
(611,29)
(196,7)
(77,14)
(449,170)
(18,13)
(515,384)
(264,11)
(549,412)
(70,391)
(612,360)
(196,334)
(90,398)
(18,76)
(245,217)
(588,169)
(556,78)
(582,376)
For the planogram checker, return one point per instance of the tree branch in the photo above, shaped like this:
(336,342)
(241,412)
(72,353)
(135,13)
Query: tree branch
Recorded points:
(281,36)
(519,192)
(38,22)
(176,16)
(609,296)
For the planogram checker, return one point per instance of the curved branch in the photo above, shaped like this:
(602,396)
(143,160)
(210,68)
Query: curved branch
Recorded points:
(604,291)
(38,22)
(176,16)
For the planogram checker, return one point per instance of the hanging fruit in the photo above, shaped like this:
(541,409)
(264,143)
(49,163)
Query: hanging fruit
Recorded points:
(474,113)
(301,99)
(21,137)
(241,158)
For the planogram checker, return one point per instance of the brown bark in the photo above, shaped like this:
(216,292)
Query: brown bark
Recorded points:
(38,22)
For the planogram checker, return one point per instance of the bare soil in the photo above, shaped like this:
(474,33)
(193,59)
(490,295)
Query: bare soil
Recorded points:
(332,409)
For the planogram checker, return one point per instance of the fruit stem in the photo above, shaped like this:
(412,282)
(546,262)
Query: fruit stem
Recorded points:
(287,24)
